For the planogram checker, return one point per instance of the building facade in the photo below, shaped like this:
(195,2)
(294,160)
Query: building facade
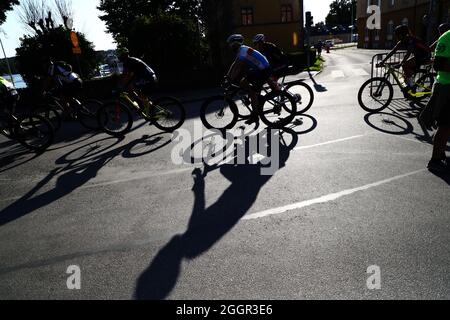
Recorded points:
(280,20)
(412,13)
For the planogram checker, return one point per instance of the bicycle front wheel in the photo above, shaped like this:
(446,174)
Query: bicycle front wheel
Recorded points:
(303,95)
(168,114)
(115,118)
(219,113)
(277,109)
(51,113)
(375,95)
(34,132)
(87,114)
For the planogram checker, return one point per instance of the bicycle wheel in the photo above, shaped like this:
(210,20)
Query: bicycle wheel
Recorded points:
(34,132)
(167,114)
(303,95)
(219,113)
(277,109)
(115,118)
(375,94)
(51,113)
(87,114)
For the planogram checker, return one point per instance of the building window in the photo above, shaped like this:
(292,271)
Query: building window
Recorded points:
(390,30)
(392,3)
(374,3)
(286,13)
(377,35)
(247,16)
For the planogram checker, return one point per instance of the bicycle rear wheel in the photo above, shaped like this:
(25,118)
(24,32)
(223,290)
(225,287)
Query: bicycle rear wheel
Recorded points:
(375,95)
(277,109)
(34,132)
(303,95)
(167,114)
(219,113)
(115,118)
(87,114)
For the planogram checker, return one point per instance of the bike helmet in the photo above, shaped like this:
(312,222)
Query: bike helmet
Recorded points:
(402,30)
(443,28)
(235,38)
(259,38)
(122,52)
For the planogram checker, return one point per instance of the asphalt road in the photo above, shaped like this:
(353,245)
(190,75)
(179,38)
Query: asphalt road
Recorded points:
(351,191)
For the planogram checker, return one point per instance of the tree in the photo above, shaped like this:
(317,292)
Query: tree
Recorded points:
(51,42)
(5,6)
(340,13)
(34,51)
(174,47)
(37,16)
(119,15)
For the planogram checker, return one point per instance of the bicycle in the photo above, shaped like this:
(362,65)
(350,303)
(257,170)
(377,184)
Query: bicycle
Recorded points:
(302,92)
(116,118)
(276,109)
(380,90)
(83,111)
(33,131)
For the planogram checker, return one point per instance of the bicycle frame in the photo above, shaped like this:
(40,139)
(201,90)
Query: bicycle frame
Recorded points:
(397,75)
(133,101)
(234,91)
(388,70)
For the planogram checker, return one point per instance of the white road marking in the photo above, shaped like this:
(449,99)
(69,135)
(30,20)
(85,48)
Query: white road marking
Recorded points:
(141,176)
(338,74)
(360,72)
(328,142)
(327,198)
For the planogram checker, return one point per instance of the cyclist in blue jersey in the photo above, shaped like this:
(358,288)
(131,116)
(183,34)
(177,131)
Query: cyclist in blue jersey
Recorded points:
(251,70)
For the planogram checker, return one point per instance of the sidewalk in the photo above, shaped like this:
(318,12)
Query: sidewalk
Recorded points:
(200,95)
(344,46)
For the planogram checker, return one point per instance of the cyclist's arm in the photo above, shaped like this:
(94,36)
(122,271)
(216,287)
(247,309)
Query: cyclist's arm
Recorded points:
(393,51)
(236,70)
(48,84)
(407,55)
(434,45)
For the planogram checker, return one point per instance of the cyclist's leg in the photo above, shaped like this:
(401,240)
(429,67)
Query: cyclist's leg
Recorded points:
(409,68)
(144,87)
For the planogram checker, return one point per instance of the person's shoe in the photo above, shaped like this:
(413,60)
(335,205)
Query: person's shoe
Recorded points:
(439,165)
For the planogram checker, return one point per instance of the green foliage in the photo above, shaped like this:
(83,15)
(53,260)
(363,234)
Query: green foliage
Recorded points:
(120,15)
(340,12)
(34,52)
(4,66)
(168,42)
(6,5)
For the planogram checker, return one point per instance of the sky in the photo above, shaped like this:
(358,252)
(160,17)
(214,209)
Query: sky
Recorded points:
(87,21)
(319,8)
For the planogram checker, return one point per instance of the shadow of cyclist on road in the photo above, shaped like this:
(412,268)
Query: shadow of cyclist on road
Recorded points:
(78,167)
(208,225)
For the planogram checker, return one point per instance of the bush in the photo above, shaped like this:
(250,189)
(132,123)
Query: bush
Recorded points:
(299,59)
(55,44)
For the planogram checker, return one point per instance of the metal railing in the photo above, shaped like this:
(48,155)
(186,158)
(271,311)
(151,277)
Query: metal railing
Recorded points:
(396,58)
